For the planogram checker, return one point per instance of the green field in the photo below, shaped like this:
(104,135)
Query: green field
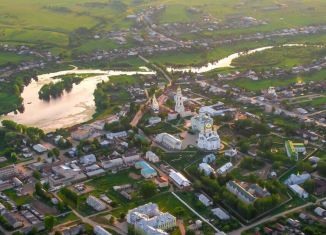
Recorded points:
(67,218)
(286,57)
(11,58)
(51,24)
(259,85)
(19,200)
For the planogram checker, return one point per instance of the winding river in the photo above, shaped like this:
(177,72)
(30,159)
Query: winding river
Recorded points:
(78,105)
(223,63)
(71,108)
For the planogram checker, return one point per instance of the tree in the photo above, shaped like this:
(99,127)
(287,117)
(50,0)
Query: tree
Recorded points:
(56,152)
(179,211)
(13,157)
(17,233)
(122,215)
(33,231)
(321,168)
(49,222)
(37,174)
(112,220)
(57,233)
(148,189)
(244,146)
(46,186)
(304,166)
(190,232)
(309,186)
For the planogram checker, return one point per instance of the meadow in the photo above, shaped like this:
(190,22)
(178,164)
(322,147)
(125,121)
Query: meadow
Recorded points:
(281,57)
(259,85)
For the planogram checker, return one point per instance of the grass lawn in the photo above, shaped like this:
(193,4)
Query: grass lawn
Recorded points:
(316,103)
(161,127)
(67,218)
(19,200)
(166,202)
(180,160)
(95,45)
(104,184)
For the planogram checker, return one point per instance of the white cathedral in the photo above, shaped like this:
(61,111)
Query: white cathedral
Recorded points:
(179,106)
(208,139)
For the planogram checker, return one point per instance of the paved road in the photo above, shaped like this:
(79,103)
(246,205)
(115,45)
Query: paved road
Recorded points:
(239,231)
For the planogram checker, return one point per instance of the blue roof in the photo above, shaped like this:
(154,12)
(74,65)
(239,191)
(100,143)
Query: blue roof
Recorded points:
(148,171)
(145,167)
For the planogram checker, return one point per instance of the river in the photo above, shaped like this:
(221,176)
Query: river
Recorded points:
(78,105)
(74,107)
(223,63)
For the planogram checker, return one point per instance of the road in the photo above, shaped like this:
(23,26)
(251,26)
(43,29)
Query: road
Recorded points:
(140,112)
(264,220)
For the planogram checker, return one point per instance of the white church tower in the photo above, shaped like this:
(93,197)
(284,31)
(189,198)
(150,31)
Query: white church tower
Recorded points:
(155,105)
(178,99)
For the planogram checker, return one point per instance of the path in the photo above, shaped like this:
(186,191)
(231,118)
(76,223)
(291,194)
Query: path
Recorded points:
(140,112)
(195,212)
(181,227)
(87,220)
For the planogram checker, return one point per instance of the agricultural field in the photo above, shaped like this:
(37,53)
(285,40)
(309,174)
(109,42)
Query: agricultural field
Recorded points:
(52,24)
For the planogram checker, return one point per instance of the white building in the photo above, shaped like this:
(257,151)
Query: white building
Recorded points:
(152,157)
(207,169)
(115,135)
(39,148)
(172,116)
(179,106)
(216,110)
(131,160)
(205,200)
(298,190)
(155,105)
(199,122)
(98,230)
(302,111)
(225,168)
(208,139)
(240,192)
(230,153)
(271,92)
(154,120)
(169,141)
(209,158)
(112,163)
(221,214)
(179,179)
(320,211)
(95,203)
(149,220)
(297,179)
(88,159)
